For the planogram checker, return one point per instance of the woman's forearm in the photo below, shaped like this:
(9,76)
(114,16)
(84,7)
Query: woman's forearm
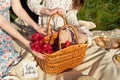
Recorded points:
(21,13)
(6,26)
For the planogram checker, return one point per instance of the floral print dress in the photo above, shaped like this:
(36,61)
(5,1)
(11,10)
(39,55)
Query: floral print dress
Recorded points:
(9,57)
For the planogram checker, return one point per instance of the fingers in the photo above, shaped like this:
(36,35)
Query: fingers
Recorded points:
(57,10)
(60,11)
(42,30)
(39,55)
(54,11)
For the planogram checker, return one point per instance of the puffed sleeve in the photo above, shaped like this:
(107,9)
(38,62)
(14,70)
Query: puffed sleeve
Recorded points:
(35,6)
(71,17)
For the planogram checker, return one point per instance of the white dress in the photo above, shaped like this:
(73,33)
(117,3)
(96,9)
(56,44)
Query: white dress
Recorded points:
(71,17)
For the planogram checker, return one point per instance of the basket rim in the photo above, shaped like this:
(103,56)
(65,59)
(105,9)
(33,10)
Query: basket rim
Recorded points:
(54,53)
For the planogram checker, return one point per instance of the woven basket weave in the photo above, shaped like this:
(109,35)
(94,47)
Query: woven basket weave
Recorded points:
(63,59)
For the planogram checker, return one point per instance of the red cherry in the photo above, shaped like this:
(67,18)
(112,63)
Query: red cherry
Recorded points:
(67,43)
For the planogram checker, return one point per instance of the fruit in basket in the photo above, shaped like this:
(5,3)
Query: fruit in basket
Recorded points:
(67,43)
(38,44)
(51,38)
(47,38)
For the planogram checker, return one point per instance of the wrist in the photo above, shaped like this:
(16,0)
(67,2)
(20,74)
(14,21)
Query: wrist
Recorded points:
(27,44)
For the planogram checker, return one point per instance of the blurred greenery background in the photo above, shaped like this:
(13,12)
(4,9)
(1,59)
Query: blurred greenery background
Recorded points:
(104,13)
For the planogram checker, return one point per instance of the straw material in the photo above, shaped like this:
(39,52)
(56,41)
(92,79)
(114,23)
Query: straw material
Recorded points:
(63,59)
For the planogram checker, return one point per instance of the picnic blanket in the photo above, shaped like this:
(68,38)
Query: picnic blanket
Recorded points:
(98,63)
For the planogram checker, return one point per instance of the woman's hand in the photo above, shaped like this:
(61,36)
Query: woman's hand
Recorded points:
(42,30)
(56,10)
(52,11)
(37,54)
(60,11)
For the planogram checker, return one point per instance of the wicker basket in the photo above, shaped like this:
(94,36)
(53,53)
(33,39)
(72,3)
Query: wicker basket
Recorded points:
(63,59)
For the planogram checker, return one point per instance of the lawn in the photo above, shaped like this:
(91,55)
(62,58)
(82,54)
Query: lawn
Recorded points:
(104,13)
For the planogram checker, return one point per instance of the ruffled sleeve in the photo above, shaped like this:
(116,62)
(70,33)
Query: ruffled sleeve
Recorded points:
(34,6)
(71,17)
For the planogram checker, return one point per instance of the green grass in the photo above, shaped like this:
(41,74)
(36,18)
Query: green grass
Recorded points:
(104,13)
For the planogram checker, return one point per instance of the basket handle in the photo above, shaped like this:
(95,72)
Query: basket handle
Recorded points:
(51,17)
(74,32)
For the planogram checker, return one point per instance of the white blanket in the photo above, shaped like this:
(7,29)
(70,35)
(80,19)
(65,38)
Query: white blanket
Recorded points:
(97,63)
